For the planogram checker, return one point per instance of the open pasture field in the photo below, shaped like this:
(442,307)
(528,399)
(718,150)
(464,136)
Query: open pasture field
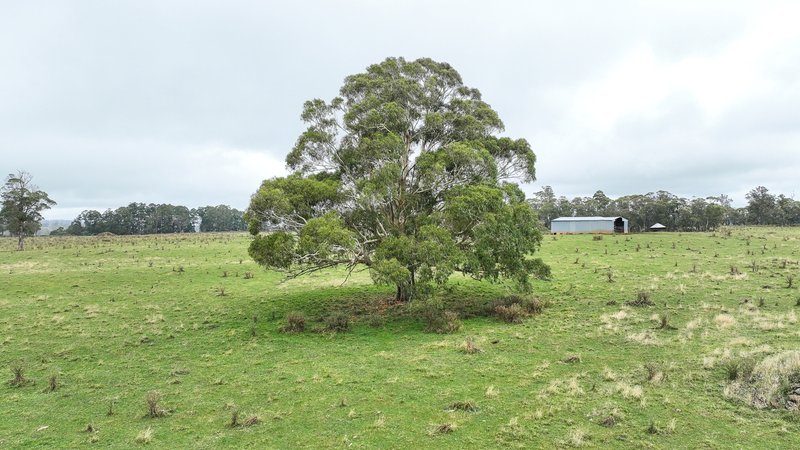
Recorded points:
(96,324)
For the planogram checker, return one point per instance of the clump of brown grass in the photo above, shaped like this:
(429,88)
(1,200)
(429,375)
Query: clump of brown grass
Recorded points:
(534,305)
(724,320)
(469,347)
(444,428)
(338,322)
(250,421)
(643,298)
(510,314)
(19,379)
(653,372)
(52,383)
(295,323)
(437,320)
(609,421)
(145,436)
(154,409)
(771,383)
(465,406)
(663,322)
(570,359)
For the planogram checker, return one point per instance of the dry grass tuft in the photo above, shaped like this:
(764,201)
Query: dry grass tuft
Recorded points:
(609,421)
(724,321)
(52,383)
(295,323)
(643,298)
(145,436)
(510,314)
(465,406)
(644,338)
(773,382)
(250,421)
(469,347)
(577,438)
(444,428)
(154,409)
(19,379)
(629,391)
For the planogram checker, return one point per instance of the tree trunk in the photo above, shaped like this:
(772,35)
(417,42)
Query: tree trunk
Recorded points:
(405,291)
(20,242)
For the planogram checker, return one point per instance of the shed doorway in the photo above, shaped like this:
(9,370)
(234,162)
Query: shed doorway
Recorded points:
(619,225)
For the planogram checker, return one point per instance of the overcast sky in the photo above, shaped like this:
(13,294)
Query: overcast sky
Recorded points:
(195,102)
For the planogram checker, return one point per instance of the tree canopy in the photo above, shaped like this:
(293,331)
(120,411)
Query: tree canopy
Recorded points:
(23,203)
(402,173)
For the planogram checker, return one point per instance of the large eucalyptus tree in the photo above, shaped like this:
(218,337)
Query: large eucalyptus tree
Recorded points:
(403,173)
(22,206)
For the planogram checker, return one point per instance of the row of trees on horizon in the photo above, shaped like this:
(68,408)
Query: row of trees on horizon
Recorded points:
(676,213)
(141,218)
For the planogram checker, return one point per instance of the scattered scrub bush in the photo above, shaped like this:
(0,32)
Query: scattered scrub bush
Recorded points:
(469,347)
(510,314)
(19,379)
(466,406)
(643,298)
(337,322)
(437,319)
(295,323)
(154,409)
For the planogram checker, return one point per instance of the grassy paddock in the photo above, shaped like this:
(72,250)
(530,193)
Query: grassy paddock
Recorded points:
(99,324)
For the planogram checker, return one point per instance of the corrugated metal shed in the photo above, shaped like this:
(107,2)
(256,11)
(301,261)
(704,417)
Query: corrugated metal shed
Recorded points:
(570,225)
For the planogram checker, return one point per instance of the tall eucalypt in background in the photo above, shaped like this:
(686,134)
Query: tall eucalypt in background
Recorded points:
(402,174)
(23,203)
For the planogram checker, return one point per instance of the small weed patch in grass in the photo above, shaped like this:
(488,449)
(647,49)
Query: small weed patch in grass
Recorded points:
(438,320)
(653,372)
(376,320)
(609,421)
(510,314)
(724,321)
(534,305)
(19,379)
(643,298)
(338,322)
(444,428)
(154,409)
(52,383)
(145,436)
(295,323)
(464,406)
(577,438)
(469,347)
(663,322)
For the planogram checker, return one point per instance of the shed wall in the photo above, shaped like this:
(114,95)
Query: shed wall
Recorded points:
(584,226)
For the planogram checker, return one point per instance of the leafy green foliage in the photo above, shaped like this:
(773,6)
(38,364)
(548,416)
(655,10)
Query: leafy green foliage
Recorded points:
(401,173)
(22,206)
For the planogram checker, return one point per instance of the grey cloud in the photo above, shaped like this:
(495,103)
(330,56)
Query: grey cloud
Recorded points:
(194,102)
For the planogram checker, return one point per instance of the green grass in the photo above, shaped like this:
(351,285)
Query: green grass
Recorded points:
(118,317)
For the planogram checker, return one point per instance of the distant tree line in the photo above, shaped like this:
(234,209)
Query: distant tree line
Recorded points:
(141,218)
(676,213)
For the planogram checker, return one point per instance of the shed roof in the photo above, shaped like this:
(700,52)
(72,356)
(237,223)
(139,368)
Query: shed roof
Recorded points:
(585,219)
(657,225)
